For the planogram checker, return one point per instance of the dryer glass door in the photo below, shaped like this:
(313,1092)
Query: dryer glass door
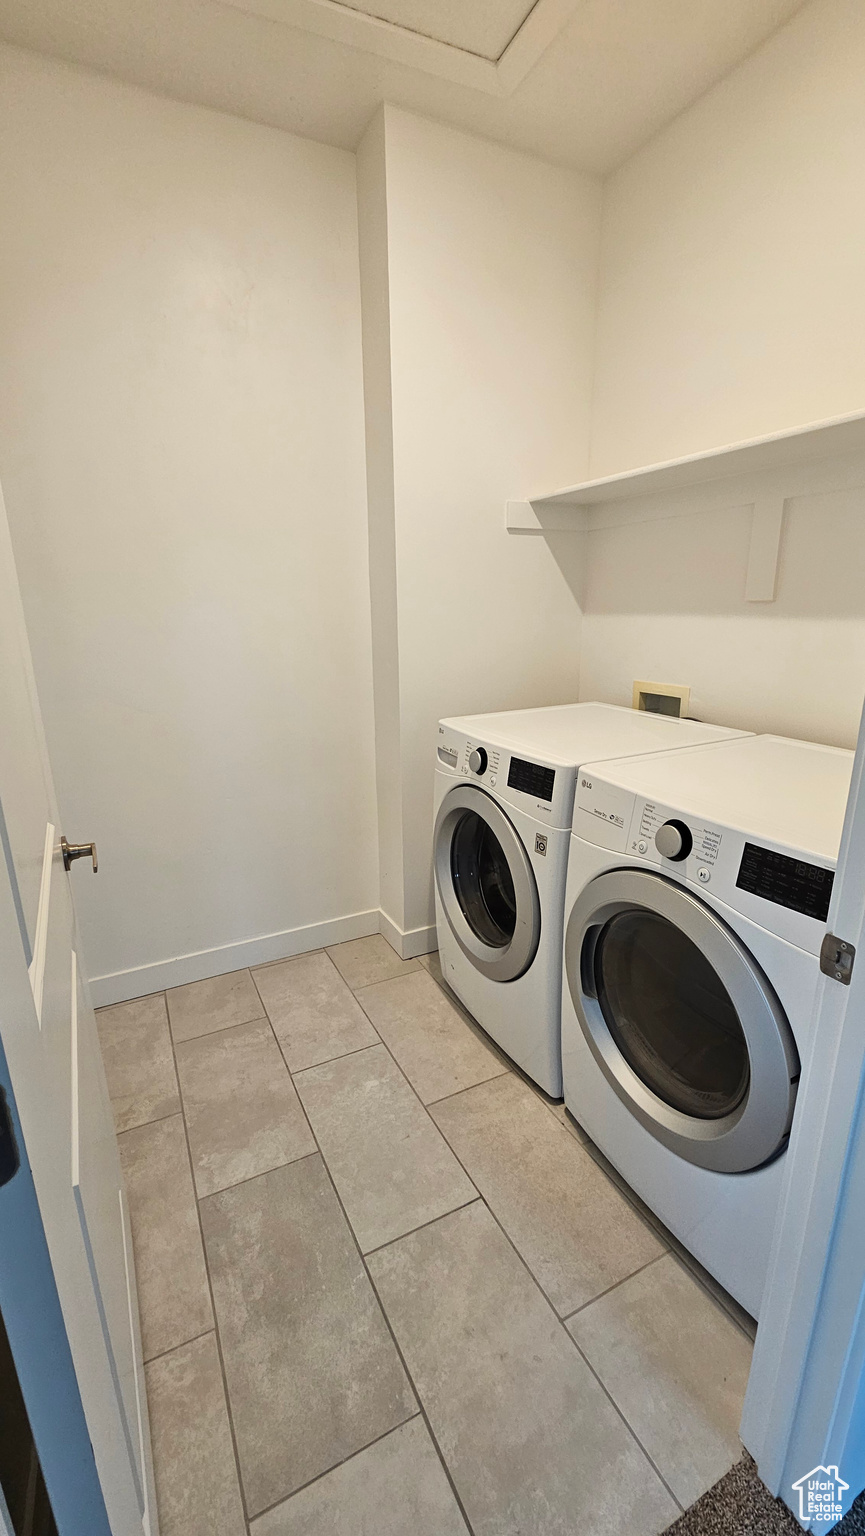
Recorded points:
(681,1020)
(670,1014)
(486,884)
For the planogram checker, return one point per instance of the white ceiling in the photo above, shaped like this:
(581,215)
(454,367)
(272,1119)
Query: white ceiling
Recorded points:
(484,27)
(584,82)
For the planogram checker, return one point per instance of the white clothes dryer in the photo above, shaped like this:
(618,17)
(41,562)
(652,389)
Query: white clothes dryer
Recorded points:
(697,894)
(504,795)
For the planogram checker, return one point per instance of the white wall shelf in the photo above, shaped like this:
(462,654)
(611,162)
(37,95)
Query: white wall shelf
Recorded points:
(753,470)
(823,439)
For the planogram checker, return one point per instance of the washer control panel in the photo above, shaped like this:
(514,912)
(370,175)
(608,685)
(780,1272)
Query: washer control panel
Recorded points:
(532,778)
(544,789)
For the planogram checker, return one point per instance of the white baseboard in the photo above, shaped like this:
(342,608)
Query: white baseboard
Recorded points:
(417,941)
(120,986)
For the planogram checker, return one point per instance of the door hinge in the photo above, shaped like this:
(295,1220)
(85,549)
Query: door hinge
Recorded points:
(9,1159)
(836,959)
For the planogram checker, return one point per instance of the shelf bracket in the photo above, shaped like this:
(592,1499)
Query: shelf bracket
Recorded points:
(522,517)
(766,524)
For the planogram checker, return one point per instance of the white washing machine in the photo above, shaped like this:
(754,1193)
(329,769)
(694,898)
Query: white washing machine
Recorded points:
(504,795)
(697,894)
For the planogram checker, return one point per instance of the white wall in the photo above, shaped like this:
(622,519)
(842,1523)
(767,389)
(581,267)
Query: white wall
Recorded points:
(488,299)
(181,449)
(731,299)
(378,409)
(181,446)
(665,599)
(731,305)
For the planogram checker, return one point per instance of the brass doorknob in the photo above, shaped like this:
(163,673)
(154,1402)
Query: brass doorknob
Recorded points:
(72,851)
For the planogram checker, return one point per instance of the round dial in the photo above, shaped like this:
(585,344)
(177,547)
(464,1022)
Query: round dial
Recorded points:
(478,760)
(673,840)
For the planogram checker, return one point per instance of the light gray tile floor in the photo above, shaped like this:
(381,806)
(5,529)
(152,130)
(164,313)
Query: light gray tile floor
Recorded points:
(396,1487)
(676,1366)
(439,1052)
(193,1457)
(392,1168)
(136,1049)
(432,964)
(432,1386)
(574,1229)
(173,1293)
(313,1013)
(360,962)
(312,1371)
(528,1432)
(568,1122)
(242,1111)
(728,1302)
(204,1006)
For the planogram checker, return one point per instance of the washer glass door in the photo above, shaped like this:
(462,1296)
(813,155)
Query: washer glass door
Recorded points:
(486,884)
(482,881)
(681,1020)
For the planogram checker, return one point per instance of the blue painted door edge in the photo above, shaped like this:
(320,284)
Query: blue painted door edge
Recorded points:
(40,1347)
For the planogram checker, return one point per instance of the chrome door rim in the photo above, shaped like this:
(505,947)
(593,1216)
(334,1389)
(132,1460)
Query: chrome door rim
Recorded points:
(515,957)
(759,1125)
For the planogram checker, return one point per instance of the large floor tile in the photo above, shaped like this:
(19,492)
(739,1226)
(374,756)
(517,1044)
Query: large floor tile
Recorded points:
(574,1229)
(731,1306)
(201,1007)
(568,1122)
(242,1113)
(363,961)
(169,1263)
(396,1487)
(438,1050)
(392,1168)
(312,1371)
(313,1012)
(139,1065)
(677,1366)
(744,1319)
(193,1458)
(630,1194)
(531,1440)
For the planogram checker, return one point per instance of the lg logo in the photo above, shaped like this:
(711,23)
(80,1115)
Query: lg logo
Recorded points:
(586,783)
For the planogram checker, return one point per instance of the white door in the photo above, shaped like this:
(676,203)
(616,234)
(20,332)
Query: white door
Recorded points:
(48,1035)
(805,1405)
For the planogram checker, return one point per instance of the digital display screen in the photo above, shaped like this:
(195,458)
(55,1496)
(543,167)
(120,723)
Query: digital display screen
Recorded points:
(531,778)
(788,882)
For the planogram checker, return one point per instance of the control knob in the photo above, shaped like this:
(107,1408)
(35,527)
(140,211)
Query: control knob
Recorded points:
(478,760)
(673,840)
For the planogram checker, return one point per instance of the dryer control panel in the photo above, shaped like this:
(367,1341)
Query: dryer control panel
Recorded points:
(785,891)
(793,883)
(540,787)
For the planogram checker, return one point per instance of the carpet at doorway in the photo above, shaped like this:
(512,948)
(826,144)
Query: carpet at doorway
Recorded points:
(740,1505)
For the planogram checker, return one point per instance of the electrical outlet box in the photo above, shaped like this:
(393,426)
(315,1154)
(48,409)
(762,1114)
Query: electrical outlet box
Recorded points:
(662,698)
